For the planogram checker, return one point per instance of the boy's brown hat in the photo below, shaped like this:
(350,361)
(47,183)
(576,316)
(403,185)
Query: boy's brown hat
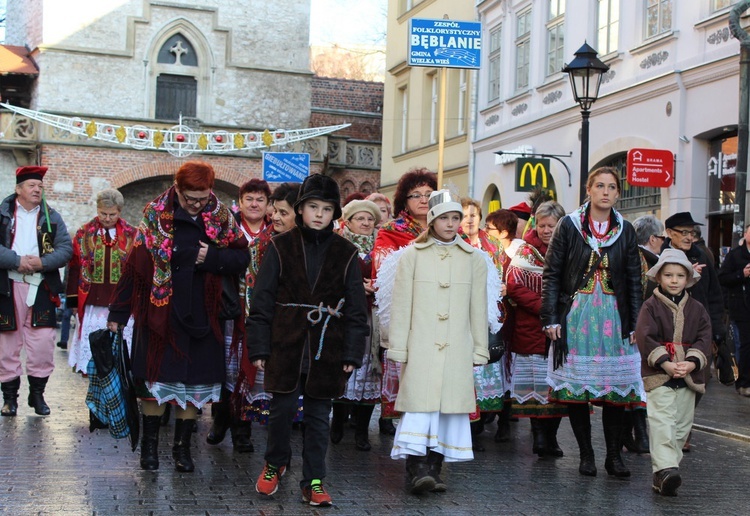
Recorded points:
(678,257)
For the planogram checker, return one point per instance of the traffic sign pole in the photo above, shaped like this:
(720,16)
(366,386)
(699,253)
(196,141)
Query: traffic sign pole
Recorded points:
(441,128)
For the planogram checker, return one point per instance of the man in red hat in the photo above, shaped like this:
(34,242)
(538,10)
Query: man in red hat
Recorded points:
(34,244)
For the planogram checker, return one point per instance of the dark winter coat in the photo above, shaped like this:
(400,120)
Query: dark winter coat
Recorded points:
(308,267)
(708,290)
(43,311)
(736,285)
(566,263)
(197,356)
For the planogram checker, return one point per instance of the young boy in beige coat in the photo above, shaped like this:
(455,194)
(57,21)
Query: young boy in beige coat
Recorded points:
(438,331)
(674,337)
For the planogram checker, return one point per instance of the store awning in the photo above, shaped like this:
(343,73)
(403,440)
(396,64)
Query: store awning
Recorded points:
(16,60)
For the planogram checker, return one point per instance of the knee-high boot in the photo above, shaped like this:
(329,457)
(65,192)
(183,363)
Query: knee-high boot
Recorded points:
(551,425)
(641,431)
(150,443)
(36,395)
(10,397)
(183,431)
(612,423)
(362,427)
(503,423)
(241,432)
(340,411)
(221,418)
(540,439)
(580,421)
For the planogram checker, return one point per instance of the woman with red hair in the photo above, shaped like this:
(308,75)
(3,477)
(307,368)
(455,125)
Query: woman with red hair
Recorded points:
(172,284)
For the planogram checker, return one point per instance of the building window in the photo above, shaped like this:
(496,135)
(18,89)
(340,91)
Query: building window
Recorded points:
(461,115)
(722,173)
(718,5)
(633,199)
(555,36)
(178,51)
(403,118)
(176,95)
(176,86)
(523,49)
(434,93)
(658,17)
(608,26)
(493,87)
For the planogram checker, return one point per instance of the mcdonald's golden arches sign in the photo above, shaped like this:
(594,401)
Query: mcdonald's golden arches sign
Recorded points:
(533,173)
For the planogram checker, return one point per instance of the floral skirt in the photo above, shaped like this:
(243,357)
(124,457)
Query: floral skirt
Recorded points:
(490,387)
(364,384)
(601,366)
(529,390)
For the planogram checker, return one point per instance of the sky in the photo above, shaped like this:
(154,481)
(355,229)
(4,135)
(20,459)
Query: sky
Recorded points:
(348,22)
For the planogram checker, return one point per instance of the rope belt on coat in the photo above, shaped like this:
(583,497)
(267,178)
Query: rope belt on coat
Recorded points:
(316,315)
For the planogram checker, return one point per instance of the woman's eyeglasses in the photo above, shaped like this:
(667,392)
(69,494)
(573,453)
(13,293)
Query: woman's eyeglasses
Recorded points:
(490,228)
(196,200)
(419,196)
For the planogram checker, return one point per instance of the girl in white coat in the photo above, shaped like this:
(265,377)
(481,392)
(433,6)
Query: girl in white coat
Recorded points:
(438,331)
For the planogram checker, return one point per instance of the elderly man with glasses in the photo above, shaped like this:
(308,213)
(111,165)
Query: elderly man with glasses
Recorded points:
(682,235)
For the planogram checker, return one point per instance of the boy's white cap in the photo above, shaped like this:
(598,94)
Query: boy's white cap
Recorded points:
(674,256)
(441,202)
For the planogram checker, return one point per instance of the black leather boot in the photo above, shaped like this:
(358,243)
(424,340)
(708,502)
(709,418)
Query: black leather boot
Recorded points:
(338,419)
(362,427)
(587,465)
(613,463)
(150,443)
(36,395)
(10,397)
(503,424)
(551,425)
(434,466)
(540,438)
(641,431)
(627,432)
(418,475)
(221,421)
(386,426)
(164,418)
(241,432)
(183,431)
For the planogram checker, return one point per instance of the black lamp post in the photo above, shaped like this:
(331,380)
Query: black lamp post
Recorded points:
(585,73)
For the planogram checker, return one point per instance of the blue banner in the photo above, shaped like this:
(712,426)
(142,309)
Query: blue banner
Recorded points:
(445,43)
(286,167)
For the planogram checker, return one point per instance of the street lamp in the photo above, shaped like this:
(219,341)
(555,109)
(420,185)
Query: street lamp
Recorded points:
(585,72)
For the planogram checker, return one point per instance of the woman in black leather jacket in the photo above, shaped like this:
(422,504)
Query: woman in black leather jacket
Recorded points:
(593,356)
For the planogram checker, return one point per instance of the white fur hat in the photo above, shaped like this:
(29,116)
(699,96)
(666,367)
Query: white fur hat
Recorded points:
(677,257)
(441,202)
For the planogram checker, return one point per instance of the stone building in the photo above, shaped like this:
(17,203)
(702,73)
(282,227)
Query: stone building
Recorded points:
(214,66)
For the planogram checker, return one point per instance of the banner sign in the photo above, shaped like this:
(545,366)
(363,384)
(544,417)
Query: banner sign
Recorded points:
(650,167)
(286,167)
(533,173)
(445,43)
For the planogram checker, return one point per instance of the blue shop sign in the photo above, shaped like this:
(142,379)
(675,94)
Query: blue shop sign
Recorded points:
(445,43)
(286,167)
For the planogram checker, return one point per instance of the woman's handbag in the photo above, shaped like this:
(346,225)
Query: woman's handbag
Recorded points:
(231,306)
(496,346)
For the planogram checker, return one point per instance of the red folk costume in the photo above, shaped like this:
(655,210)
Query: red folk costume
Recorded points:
(97,264)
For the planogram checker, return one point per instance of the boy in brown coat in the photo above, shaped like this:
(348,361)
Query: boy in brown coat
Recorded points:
(674,337)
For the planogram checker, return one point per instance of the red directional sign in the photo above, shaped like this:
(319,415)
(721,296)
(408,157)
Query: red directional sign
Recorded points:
(650,167)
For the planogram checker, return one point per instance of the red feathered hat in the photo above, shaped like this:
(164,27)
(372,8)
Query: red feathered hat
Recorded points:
(31,172)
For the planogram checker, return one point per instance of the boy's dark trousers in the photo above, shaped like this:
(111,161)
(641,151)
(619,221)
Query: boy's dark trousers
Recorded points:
(315,444)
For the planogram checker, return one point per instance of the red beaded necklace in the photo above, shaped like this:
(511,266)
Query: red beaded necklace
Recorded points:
(103,236)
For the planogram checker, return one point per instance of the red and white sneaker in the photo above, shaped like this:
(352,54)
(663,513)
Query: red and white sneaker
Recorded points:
(315,494)
(268,481)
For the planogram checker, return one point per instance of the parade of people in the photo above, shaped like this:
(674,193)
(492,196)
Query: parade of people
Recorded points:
(420,257)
